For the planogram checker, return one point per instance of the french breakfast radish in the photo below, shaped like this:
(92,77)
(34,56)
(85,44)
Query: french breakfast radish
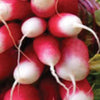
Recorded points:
(23,92)
(31,28)
(73,65)
(7,64)
(83,91)
(14,9)
(68,25)
(48,83)
(5,39)
(68,6)
(43,8)
(28,70)
(47,50)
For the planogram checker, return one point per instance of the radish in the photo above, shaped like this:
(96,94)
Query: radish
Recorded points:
(8,9)
(73,65)
(68,25)
(28,70)
(43,8)
(48,83)
(24,92)
(83,91)
(14,9)
(68,6)
(47,50)
(5,38)
(31,28)
(7,64)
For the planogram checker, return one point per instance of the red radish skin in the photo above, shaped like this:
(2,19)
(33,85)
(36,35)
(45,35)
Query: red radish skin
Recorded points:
(7,64)
(68,6)
(43,8)
(62,26)
(73,65)
(68,25)
(14,9)
(27,71)
(2,96)
(5,38)
(74,59)
(23,92)
(48,83)
(83,91)
(47,50)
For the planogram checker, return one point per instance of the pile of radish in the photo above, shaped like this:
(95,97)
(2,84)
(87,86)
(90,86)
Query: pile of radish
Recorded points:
(41,55)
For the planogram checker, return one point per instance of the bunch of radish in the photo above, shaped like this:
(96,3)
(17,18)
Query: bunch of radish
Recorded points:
(40,49)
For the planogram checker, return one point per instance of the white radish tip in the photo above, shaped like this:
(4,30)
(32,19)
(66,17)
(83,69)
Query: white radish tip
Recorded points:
(26,73)
(33,27)
(80,96)
(43,4)
(5,10)
(66,25)
(70,68)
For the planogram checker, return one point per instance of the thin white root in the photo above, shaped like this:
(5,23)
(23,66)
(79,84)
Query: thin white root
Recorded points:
(20,43)
(18,59)
(73,82)
(10,34)
(12,89)
(90,30)
(57,79)
(4,22)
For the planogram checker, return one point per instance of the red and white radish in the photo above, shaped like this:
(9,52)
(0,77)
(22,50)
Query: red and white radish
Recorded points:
(7,64)
(48,83)
(23,92)
(28,70)
(43,8)
(73,65)
(68,25)
(31,28)
(6,41)
(14,9)
(68,6)
(47,50)
(83,91)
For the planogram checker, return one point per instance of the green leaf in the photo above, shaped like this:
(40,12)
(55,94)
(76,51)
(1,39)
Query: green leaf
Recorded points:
(95,63)
(98,1)
(97,17)
(97,92)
